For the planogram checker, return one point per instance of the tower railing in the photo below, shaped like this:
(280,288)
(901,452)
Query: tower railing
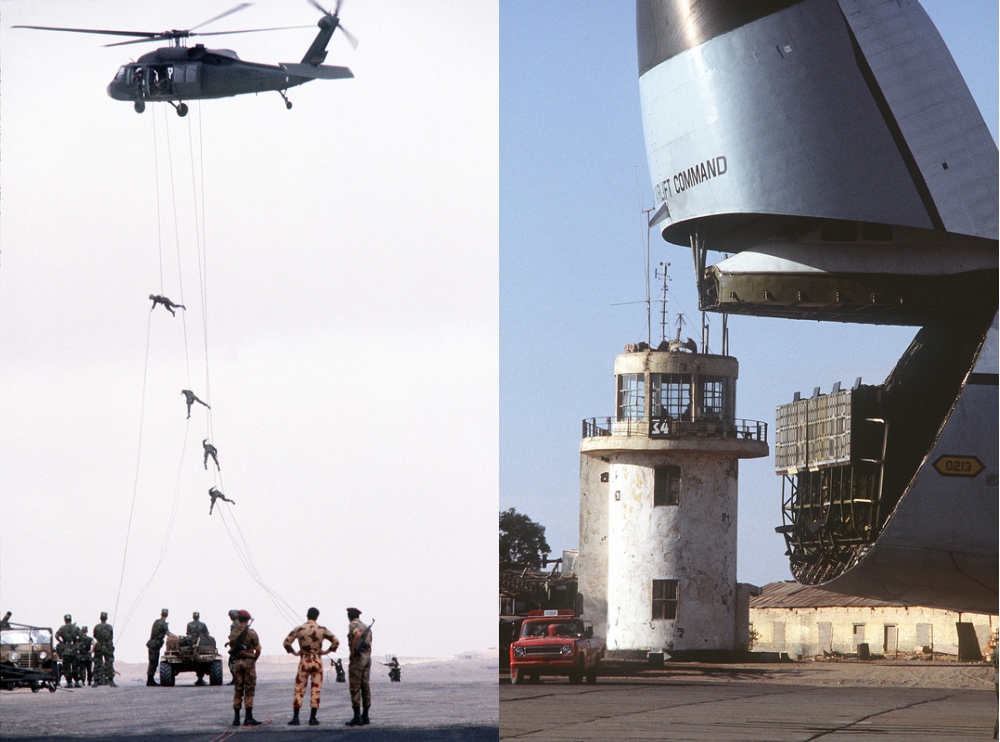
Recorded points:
(735,428)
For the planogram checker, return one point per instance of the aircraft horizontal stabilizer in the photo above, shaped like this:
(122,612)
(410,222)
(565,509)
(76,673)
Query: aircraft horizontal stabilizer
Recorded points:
(316,72)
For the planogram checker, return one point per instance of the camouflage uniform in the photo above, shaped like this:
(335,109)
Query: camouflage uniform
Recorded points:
(104,652)
(84,658)
(232,663)
(156,635)
(359,668)
(244,652)
(67,636)
(310,636)
(196,629)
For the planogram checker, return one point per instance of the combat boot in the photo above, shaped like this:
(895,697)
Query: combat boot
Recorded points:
(356,721)
(150,681)
(249,721)
(313,721)
(236,717)
(295,718)
(364,715)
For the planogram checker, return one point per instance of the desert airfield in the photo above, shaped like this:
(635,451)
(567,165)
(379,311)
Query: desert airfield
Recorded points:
(898,701)
(437,701)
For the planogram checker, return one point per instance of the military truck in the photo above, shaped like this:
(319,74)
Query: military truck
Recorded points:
(187,654)
(27,659)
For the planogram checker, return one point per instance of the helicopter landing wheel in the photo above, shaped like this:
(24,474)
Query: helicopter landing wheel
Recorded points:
(182,110)
(288,103)
(140,106)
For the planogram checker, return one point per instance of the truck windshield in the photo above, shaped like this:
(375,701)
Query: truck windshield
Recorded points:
(551,627)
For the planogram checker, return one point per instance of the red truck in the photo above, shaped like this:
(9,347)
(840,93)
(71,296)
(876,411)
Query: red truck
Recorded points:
(555,642)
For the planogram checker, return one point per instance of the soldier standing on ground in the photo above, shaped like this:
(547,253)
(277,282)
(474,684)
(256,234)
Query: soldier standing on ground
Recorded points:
(104,653)
(359,639)
(234,617)
(67,636)
(244,648)
(84,658)
(196,629)
(310,636)
(157,634)
(212,451)
(190,398)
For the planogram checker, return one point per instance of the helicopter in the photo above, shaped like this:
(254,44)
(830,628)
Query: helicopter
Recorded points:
(178,72)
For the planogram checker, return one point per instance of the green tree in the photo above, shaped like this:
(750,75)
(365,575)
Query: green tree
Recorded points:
(522,541)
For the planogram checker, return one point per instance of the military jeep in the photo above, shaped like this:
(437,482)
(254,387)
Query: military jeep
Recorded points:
(185,654)
(27,659)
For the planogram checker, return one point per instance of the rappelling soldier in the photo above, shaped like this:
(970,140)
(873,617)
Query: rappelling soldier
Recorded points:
(244,648)
(104,653)
(190,398)
(67,637)
(212,451)
(216,495)
(84,658)
(157,299)
(157,634)
(359,639)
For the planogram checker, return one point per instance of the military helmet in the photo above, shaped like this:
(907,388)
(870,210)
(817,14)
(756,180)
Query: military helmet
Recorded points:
(104,616)
(195,615)
(164,612)
(84,629)
(312,614)
(67,618)
(353,613)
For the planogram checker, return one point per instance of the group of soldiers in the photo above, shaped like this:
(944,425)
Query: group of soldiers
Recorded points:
(86,660)
(244,650)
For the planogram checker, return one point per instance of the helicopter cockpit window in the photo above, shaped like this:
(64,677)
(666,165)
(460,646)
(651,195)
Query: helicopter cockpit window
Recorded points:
(121,73)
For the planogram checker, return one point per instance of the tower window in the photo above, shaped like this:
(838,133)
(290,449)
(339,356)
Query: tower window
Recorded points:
(664,599)
(666,485)
(713,397)
(671,396)
(631,397)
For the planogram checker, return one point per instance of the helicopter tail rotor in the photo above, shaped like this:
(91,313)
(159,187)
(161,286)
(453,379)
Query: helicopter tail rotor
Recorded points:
(334,19)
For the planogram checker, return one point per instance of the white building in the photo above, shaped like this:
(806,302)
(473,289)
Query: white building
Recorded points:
(658,504)
(808,621)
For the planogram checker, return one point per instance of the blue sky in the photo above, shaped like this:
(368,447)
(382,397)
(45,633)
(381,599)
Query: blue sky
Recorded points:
(573,183)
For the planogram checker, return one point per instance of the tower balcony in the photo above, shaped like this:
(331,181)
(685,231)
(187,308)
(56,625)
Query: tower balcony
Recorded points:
(743,438)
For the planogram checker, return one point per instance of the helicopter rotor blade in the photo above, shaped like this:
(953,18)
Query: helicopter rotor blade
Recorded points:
(351,38)
(145,34)
(238,8)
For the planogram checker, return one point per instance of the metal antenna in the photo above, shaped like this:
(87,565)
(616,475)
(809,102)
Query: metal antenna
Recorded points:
(663,310)
(649,320)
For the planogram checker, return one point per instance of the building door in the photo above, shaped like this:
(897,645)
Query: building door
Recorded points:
(891,641)
(825,636)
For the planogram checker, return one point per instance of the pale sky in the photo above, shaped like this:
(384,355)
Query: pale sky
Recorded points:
(573,183)
(338,262)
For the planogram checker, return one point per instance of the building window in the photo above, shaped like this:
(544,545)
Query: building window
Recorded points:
(631,397)
(859,634)
(664,599)
(666,485)
(712,397)
(671,396)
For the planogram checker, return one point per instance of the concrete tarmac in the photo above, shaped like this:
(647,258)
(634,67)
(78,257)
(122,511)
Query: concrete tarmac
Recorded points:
(776,703)
(429,711)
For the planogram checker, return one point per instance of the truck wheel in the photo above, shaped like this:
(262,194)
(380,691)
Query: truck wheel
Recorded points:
(215,673)
(516,676)
(166,675)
